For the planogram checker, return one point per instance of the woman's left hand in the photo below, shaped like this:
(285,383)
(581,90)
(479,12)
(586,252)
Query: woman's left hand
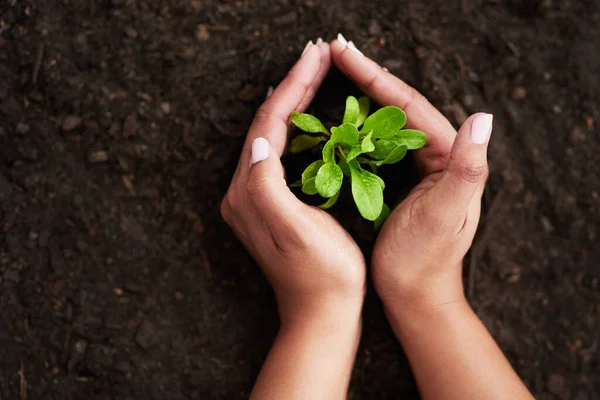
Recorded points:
(315,267)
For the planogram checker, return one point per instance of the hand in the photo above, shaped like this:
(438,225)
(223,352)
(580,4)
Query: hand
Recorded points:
(417,260)
(314,266)
(418,254)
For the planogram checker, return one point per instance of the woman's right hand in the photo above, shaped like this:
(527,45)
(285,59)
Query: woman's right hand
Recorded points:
(418,254)
(417,260)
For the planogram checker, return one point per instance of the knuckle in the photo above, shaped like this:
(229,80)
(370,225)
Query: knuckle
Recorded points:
(227,209)
(262,114)
(415,97)
(256,186)
(263,117)
(373,83)
(471,173)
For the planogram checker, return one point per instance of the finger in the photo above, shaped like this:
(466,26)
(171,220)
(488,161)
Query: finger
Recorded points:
(386,89)
(466,173)
(294,93)
(268,193)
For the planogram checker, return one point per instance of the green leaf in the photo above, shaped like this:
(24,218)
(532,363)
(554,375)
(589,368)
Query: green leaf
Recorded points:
(385,122)
(395,155)
(381,182)
(309,187)
(367,144)
(412,138)
(354,152)
(385,213)
(305,142)
(365,147)
(311,171)
(383,147)
(296,184)
(328,151)
(329,179)
(367,192)
(308,123)
(330,202)
(345,133)
(364,105)
(352,110)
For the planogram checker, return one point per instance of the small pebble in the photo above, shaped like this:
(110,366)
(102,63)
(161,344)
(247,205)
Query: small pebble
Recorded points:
(202,33)
(131,32)
(519,93)
(98,156)
(165,107)
(22,129)
(71,123)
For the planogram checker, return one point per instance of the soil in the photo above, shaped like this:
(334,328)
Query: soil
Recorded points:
(120,126)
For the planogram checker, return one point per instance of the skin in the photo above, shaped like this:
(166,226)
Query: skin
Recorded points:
(417,260)
(319,278)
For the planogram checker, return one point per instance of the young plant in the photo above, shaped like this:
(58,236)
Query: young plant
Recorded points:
(361,140)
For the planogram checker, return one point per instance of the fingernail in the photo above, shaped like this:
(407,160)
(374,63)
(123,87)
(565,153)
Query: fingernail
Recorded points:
(308,46)
(481,128)
(352,47)
(269,92)
(385,69)
(260,150)
(342,39)
(319,41)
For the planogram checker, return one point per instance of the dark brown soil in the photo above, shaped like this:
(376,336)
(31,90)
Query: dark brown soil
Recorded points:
(120,126)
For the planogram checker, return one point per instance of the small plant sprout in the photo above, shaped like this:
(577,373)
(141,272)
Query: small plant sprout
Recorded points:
(361,141)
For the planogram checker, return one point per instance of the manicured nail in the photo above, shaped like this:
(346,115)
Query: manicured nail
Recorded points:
(319,41)
(342,39)
(269,92)
(260,150)
(352,47)
(385,69)
(308,46)
(481,128)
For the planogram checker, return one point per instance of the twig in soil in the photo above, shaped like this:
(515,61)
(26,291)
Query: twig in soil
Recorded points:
(22,383)
(461,66)
(38,64)
(479,247)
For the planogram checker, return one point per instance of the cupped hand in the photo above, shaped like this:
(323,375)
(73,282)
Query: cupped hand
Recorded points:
(418,254)
(315,267)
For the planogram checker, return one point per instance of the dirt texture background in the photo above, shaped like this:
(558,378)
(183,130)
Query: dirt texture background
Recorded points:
(120,126)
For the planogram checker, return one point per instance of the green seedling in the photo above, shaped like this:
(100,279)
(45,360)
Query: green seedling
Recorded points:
(361,141)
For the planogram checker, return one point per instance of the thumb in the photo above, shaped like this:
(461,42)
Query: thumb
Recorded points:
(267,189)
(467,169)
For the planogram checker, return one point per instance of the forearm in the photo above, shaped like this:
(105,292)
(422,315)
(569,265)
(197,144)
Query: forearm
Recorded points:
(310,359)
(452,354)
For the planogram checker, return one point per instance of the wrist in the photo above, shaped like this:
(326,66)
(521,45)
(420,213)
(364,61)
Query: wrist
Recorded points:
(424,313)
(403,292)
(326,315)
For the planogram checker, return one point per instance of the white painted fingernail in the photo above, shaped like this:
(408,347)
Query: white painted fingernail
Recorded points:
(260,150)
(481,128)
(308,46)
(385,69)
(269,92)
(352,47)
(319,41)
(342,39)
